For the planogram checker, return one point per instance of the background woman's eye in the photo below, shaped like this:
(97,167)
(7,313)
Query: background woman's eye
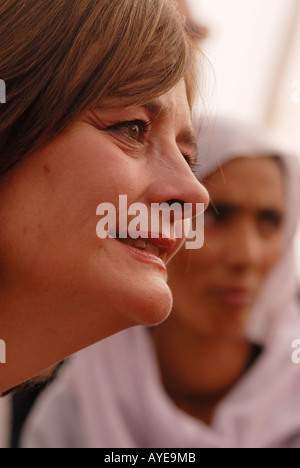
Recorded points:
(211,216)
(269,221)
(218,214)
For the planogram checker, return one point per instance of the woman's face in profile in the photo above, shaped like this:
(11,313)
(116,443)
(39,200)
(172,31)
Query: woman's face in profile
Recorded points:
(215,288)
(51,254)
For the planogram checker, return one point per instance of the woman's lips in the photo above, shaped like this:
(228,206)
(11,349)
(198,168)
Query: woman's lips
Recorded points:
(152,250)
(236,297)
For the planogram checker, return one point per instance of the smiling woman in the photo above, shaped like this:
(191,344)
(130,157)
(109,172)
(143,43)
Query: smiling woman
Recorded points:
(90,114)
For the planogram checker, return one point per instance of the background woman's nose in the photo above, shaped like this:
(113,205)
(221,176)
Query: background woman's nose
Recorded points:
(244,248)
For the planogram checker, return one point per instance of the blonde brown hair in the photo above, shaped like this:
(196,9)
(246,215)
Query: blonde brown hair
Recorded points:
(62,57)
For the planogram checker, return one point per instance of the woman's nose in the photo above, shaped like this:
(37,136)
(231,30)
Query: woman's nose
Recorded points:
(178,185)
(245,250)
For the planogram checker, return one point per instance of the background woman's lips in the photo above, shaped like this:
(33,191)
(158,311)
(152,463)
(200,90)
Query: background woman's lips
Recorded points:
(236,297)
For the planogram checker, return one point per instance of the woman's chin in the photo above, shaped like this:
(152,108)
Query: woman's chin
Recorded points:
(152,307)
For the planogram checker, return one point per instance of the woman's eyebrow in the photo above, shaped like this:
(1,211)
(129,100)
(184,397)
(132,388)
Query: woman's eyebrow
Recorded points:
(157,108)
(226,207)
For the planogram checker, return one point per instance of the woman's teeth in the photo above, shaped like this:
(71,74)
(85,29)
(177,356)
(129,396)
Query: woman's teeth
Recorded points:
(142,244)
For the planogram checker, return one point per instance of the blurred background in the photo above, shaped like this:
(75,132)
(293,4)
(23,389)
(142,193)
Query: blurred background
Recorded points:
(253,47)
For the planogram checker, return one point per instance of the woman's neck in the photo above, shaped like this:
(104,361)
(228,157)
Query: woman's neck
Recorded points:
(197,372)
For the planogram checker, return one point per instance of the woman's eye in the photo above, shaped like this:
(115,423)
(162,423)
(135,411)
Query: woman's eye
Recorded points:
(211,216)
(136,130)
(269,222)
(217,215)
(191,161)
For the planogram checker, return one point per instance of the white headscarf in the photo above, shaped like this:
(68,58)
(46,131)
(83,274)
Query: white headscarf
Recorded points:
(221,141)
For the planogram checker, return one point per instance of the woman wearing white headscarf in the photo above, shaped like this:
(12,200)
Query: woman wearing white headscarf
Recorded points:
(219,372)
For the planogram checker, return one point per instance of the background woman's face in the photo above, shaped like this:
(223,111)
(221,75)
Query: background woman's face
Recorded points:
(49,249)
(215,288)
